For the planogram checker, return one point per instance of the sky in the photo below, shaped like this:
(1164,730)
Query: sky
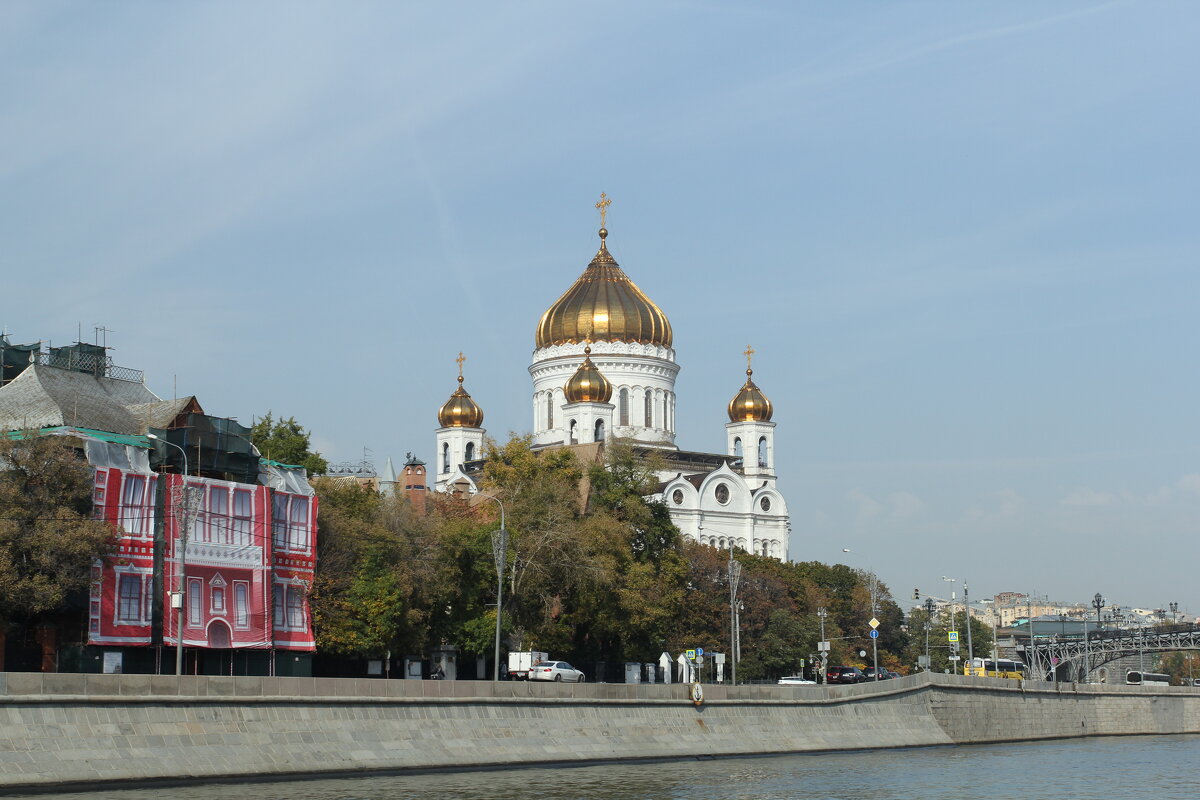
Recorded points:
(961,237)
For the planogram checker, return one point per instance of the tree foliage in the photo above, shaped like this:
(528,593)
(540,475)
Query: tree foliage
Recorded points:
(594,572)
(286,441)
(48,536)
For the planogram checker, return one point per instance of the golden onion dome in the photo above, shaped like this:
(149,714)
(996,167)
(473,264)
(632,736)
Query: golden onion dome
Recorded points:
(460,411)
(587,385)
(750,404)
(604,305)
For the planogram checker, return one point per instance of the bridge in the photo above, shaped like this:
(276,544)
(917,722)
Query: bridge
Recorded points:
(1077,655)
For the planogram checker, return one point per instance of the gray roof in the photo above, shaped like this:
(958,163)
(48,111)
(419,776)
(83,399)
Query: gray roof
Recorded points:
(160,414)
(44,396)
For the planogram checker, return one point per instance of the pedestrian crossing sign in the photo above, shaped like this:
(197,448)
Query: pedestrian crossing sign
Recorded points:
(952,636)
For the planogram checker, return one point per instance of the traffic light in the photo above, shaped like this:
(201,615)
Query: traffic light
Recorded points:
(916,594)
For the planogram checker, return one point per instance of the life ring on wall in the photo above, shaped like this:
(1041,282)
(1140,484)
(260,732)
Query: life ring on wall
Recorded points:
(697,694)
(1102,675)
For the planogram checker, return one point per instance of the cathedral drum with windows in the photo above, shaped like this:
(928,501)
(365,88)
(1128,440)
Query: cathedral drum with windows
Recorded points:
(604,367)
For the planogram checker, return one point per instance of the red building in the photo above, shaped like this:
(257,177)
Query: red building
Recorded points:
(244,572)
(239,555)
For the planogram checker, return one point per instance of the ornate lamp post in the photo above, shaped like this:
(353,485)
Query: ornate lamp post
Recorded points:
(1174,610)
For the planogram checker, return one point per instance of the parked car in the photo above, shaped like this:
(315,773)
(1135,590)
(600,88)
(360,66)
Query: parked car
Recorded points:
(844,675)
(894,674)
(796,680)
(869,674)
(555,671)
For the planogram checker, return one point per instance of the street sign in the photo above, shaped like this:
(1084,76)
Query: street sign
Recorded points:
(699,651)
(823,647)
(952,636)
(691,655)
(874,623)
(955,658)
(874,634)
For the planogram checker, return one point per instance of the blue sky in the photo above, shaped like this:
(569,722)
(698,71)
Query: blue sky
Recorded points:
(960,236)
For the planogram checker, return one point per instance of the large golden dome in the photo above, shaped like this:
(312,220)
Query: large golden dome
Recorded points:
(460,411)
(588,385)
(604,305)
(750,404)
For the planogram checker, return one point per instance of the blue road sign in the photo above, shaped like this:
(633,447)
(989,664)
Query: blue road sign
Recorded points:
(699,651)
(874,634)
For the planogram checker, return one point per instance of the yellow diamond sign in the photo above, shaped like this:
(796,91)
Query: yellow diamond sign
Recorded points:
(874,623)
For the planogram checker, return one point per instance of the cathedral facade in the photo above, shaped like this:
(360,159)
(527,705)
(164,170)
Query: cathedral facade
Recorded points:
(604,367)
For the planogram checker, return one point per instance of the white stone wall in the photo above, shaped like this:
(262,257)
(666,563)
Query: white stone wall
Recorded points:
(638,369)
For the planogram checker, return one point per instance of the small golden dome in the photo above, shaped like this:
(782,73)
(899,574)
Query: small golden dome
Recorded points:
(587,385)
(604,305)
(750,404)
(460,411)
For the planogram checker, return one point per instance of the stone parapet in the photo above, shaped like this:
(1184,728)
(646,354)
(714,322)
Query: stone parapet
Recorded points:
(84,729)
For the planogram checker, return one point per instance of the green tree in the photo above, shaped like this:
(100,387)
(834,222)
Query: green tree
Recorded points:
(286,441)
(48,536)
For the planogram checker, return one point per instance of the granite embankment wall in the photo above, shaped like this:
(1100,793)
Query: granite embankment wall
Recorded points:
(90,729)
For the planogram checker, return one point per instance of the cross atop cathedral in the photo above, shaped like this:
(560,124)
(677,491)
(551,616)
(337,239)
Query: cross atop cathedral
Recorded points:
(749,354)
(602,206)
(461,358)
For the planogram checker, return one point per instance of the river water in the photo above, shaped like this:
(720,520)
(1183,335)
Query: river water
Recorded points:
(1109,768)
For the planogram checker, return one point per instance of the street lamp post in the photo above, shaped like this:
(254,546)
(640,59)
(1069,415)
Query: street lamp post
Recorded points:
(735,577)
(1174,610)
(821,615)
(183,509)
(928,626)
(500,554)
(954,650)
(874,611)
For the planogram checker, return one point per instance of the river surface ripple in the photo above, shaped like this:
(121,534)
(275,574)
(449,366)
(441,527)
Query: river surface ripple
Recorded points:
(1103,768)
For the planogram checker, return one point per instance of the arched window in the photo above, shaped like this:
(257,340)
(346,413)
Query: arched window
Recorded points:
(623,408)
(649,410)
(446,457)
(664,412)
(737,447)
(599,431)
(549,410)
(470,452)
(762,452)
(766,548)
(571,433)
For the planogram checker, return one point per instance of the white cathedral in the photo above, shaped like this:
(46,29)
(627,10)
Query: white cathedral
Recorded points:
(603,367)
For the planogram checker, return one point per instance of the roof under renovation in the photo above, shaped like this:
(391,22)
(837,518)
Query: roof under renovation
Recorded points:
(44,396)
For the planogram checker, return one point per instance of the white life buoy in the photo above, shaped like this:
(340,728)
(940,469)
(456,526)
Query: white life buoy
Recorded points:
(697,693)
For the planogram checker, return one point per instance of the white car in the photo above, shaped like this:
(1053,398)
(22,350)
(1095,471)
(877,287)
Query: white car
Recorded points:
(555,671)
(796,680)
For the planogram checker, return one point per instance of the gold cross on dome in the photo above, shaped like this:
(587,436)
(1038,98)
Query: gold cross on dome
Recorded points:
(461,358)
(749,354)
(602,206)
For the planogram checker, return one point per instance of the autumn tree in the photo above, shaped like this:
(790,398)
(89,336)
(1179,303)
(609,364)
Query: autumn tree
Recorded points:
(48,536)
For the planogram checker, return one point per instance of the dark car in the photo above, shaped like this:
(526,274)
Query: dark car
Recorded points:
(869,674)
(844,675)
